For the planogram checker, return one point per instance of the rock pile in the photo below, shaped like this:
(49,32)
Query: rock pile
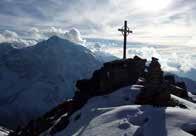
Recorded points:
(157,87)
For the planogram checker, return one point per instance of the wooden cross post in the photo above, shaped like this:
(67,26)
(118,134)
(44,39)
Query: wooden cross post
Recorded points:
(125,32)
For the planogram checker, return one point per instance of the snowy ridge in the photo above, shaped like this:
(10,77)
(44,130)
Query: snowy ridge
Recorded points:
(116,115)
(187,103)
(99,105)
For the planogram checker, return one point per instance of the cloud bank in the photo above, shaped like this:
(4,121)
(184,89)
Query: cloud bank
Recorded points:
(12,37)
(173,59)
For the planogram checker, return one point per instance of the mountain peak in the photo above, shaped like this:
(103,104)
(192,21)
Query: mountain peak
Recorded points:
(55,37)
(46,72)
(59,40)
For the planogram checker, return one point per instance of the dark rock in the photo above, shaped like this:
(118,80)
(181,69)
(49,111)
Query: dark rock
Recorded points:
(180,92)
(153,95)
(112,76)
(181,85)
(154,75)
(170,79)
(77,117)
(60,125)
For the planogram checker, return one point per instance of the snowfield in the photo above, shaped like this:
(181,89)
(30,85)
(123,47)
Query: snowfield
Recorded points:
(3,132)
(116,115)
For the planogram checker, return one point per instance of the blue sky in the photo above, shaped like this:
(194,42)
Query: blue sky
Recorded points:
(167,22)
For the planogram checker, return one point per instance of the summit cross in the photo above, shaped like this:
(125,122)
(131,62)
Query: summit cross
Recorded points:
(125,32)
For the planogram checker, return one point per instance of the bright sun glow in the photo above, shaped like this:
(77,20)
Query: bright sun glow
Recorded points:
(152,5)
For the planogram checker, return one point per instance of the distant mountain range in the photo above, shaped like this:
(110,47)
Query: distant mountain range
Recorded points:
(35,79)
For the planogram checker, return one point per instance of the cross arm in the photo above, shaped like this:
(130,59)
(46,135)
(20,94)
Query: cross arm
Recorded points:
(121,30)
(129,31)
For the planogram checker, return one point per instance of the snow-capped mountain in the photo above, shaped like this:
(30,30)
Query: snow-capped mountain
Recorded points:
(35,79)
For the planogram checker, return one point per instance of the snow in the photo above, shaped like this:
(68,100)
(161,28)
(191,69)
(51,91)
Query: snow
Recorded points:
(187,103)
(37,78)
(3,132)
(192,96)
(116,115)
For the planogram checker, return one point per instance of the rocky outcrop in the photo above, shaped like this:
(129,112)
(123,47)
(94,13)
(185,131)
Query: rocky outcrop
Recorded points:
(112,76)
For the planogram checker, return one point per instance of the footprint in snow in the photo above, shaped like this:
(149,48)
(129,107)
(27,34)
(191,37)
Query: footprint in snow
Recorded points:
(124,125)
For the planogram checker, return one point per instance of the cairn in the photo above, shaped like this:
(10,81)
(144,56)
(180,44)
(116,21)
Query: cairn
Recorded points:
(158,88)
(155,74)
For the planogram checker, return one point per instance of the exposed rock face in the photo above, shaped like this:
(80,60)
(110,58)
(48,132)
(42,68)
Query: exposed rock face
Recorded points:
(112,76)
(170,79)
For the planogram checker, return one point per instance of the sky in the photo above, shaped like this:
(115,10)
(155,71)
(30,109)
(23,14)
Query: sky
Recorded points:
(165,29)
(164,22)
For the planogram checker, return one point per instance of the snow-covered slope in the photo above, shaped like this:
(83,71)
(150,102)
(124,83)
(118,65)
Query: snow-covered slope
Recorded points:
(137,120)
(3,132)
(116,115)
(35,79)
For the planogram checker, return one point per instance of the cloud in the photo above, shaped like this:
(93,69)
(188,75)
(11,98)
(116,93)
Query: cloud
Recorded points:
(35,35)
(90,18)
(10,34)
(74,36)
(172,62)
(13,37)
